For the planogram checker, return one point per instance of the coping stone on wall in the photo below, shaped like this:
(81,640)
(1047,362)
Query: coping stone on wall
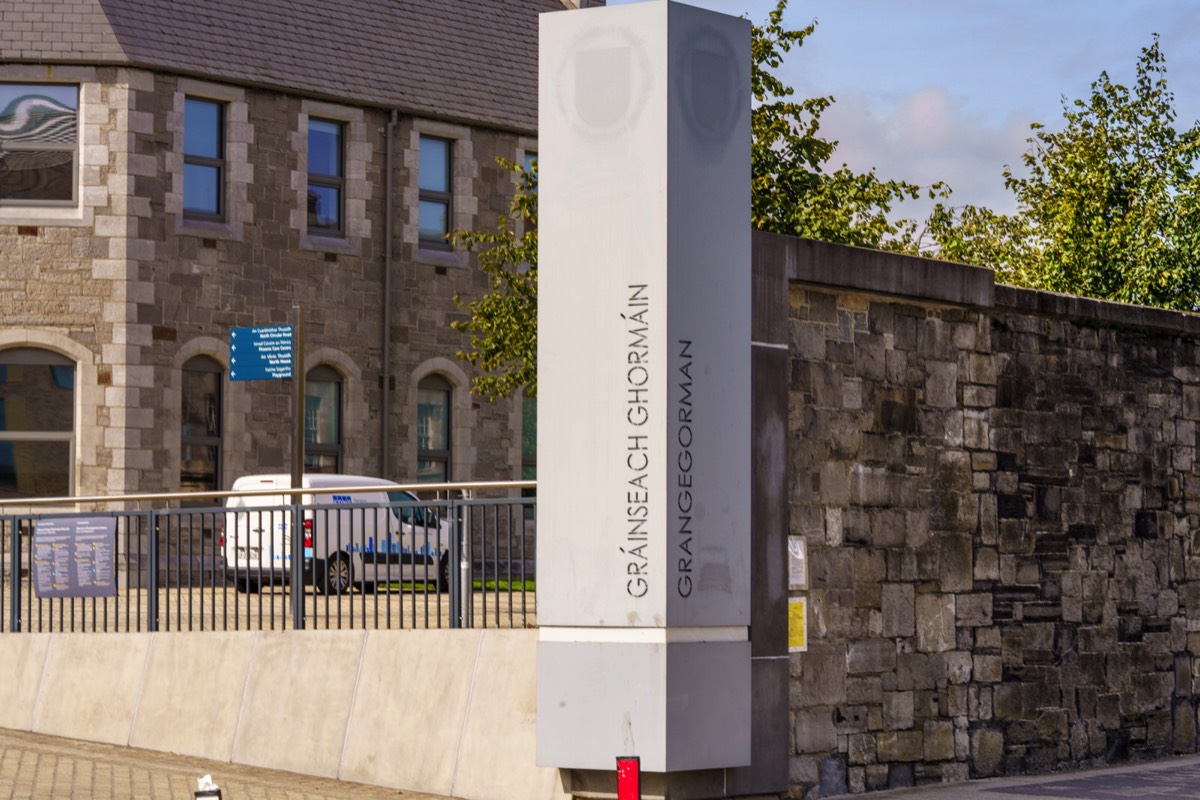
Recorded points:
(881,272)
(876,271)
(1053,304)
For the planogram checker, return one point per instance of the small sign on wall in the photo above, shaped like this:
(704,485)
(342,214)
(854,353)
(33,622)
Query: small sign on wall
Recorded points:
(797,562)
(797,624)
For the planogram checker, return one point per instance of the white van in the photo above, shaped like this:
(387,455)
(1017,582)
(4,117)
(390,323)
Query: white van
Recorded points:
(350,538)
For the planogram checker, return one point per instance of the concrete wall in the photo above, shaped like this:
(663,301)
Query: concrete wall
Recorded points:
(447,712)
(1001,497)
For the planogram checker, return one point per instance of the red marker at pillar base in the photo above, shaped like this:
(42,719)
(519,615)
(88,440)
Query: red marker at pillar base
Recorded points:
(629,778)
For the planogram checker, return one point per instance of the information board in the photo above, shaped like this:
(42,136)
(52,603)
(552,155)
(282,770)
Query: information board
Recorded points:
(263,353)
(75,557)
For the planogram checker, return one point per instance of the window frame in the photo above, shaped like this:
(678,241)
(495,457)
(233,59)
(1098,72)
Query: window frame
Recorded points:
(35,356)
(73,148)
(427,195)
(323,373)
(207,365)
(436,382)
(336,182)
(219,163)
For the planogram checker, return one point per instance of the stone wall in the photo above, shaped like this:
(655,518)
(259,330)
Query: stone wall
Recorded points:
(1000,496)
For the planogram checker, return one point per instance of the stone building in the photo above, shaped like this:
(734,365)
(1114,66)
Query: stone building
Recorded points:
(170,171)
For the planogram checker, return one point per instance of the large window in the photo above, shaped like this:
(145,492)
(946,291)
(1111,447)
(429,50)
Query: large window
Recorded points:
(433,429)
(433,180)
(200,456)
(326,174)
(38,136)
(203,158)
(37,423)
(323,420)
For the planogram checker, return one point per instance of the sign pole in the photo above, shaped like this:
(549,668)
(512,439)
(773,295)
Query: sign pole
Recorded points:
(298,383)
(298,407)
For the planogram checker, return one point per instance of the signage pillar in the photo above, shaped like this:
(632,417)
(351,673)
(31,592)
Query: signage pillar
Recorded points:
(644,388)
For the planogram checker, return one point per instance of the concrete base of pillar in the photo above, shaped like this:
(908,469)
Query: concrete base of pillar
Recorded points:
(678,706)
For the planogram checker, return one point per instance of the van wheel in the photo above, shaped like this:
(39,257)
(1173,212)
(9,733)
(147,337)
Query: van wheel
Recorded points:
(246,585)
(443,581)
(338,575)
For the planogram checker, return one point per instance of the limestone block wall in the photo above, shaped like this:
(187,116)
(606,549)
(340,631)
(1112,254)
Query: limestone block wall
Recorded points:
(64,277)
(127,287)
(1001,500)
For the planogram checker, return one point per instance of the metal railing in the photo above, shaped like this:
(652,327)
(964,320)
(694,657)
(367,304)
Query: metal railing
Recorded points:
(463,560)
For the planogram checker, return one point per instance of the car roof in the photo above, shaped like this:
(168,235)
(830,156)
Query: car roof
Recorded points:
(310,481)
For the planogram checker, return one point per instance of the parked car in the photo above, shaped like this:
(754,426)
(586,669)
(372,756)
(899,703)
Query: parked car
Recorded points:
(382,535)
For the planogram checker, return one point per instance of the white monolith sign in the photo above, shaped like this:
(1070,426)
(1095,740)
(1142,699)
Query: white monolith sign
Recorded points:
(644,388)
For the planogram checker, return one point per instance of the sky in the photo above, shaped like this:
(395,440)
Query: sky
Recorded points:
(930,90)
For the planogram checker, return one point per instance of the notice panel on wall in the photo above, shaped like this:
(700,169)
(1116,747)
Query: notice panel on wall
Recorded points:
(797,563)
(797,624)
(75,557)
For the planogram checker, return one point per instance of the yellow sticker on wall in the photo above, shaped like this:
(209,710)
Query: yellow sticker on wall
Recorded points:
(797,624)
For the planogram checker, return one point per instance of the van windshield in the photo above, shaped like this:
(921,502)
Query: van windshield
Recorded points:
(411,514)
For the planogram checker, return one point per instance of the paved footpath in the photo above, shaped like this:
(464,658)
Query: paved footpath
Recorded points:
(36,767)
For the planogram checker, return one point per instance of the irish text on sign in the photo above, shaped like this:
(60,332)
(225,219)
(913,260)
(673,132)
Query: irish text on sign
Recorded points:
(263,353)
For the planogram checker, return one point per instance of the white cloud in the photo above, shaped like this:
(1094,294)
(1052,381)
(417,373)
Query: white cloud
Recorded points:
(924,137)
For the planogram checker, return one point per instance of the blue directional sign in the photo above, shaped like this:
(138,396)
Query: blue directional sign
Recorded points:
(260,353)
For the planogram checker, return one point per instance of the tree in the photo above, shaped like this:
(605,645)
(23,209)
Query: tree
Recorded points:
(1109,208)
(791,190)
(503,322)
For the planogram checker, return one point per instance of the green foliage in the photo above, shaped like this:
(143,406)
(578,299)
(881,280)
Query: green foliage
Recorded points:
(1109,208)
(791,190)
(503,322)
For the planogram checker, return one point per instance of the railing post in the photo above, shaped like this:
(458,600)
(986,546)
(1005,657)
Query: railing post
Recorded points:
(457,579)
(14,574)
(152,570)
(297,555)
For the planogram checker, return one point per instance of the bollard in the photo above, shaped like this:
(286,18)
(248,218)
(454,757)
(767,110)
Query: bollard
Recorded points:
(629,778)
(207,789)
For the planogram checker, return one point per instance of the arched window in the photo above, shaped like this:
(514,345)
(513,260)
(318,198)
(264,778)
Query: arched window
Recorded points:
(433,429)
(323,420)
(37,423)
(200,454)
